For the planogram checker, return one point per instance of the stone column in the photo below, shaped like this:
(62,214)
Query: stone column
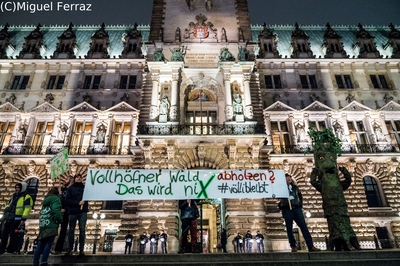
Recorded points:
(134,125)
(173,112)
(247,97)
(228,97)
(267,122)
(154,96)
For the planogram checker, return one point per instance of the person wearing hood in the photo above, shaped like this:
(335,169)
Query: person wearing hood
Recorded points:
(14,217)
(77,210)
(49,220)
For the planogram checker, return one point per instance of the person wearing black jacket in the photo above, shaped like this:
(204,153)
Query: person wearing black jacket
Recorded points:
(292,211)
(153,243)
(143,239)
(64,224)
(128,242)
(78,210)
(163,239)
(249,241)
(224,240)
(260,242)
(189,215)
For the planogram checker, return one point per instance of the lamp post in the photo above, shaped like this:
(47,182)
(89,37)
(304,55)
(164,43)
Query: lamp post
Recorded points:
(98,219)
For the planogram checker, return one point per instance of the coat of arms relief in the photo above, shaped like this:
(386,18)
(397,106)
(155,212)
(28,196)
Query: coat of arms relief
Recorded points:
(201,29)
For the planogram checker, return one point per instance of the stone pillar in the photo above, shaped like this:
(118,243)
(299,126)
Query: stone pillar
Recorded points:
(247,97)
(228,97)
(267,122)
(154,96)
(173,112)
(134,125)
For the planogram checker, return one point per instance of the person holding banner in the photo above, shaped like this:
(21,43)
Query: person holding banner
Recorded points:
(189,215)
(77,209)
(292,211)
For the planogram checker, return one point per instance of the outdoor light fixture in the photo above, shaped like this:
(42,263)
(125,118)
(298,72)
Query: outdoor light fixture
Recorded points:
(98,219)
(308,214)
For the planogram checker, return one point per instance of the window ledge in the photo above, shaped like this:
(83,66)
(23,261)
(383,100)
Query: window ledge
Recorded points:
(380,209)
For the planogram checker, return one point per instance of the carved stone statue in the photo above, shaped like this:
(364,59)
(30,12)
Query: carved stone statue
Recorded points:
(237,104)
(350,97)
(243,54)
(225,55)
(164,105)
(177,55)
(100,134)
(325,178)
(209,5)
(21,133)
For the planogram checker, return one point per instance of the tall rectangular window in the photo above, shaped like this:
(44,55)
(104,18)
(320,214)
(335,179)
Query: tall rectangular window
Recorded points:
(308,82)
(127,82)
(393,127)
(317,124)
(358,136)
(6,129)
(273,81)
(379,81)
(92,82)
(55,82)
(41,137)
(81,137)
(343,81)
(280,137)
(20,82)
(120,137)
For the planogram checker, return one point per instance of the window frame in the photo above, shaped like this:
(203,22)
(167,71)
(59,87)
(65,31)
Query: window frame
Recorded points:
(373,195)
(274,78)
(311,80)
(58,82)
(92,82)
(20,82)
(345,80)
(129,85)
(379,81)
(39,138)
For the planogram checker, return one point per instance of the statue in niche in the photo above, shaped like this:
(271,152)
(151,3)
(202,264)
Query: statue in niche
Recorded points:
(339,132)
(158,55)
(380,137)
(223,35)
(163,108)
(237,105)
(21,133)
(225,55)
(177,55)
(62,131)
(300,133)
(100,134)
(243,54)
(209,5)
(325,178)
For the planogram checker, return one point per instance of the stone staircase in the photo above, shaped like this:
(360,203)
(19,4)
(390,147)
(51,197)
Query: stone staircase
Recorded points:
(365,258)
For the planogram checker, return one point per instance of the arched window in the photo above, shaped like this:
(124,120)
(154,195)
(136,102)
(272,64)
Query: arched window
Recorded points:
(32,189)
(372,192)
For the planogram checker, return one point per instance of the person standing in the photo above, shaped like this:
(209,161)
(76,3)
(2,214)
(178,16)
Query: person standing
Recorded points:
(239,243)
(64,224)
(153,243)
(189,215)
(163,239)
(292,211)
(49,220)
(260,242)
(143,239)
(128,242)
(78,210)
(249,241)
(224,240)
(14,217)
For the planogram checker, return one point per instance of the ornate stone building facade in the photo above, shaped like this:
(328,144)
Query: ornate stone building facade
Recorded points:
(203,89)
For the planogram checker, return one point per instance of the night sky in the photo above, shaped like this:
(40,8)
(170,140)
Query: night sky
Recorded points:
(280,12)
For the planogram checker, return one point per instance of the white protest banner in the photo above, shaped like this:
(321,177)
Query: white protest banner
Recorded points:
(59,164)
(128,184)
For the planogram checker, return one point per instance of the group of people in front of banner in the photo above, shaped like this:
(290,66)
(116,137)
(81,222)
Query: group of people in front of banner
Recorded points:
(65,207)
(61,206)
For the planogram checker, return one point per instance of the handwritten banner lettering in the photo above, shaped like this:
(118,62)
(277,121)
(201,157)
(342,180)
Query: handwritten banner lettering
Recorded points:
(128,184)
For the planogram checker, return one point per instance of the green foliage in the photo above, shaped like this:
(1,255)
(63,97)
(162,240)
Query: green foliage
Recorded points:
(325,140)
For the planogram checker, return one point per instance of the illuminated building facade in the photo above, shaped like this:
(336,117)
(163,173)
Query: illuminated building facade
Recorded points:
(201,88)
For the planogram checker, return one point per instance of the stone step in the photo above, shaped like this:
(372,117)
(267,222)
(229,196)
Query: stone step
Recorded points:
(365,258)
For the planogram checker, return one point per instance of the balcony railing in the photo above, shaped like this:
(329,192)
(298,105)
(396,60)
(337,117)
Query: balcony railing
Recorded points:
(346,149)
(97,149)
(229,129)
